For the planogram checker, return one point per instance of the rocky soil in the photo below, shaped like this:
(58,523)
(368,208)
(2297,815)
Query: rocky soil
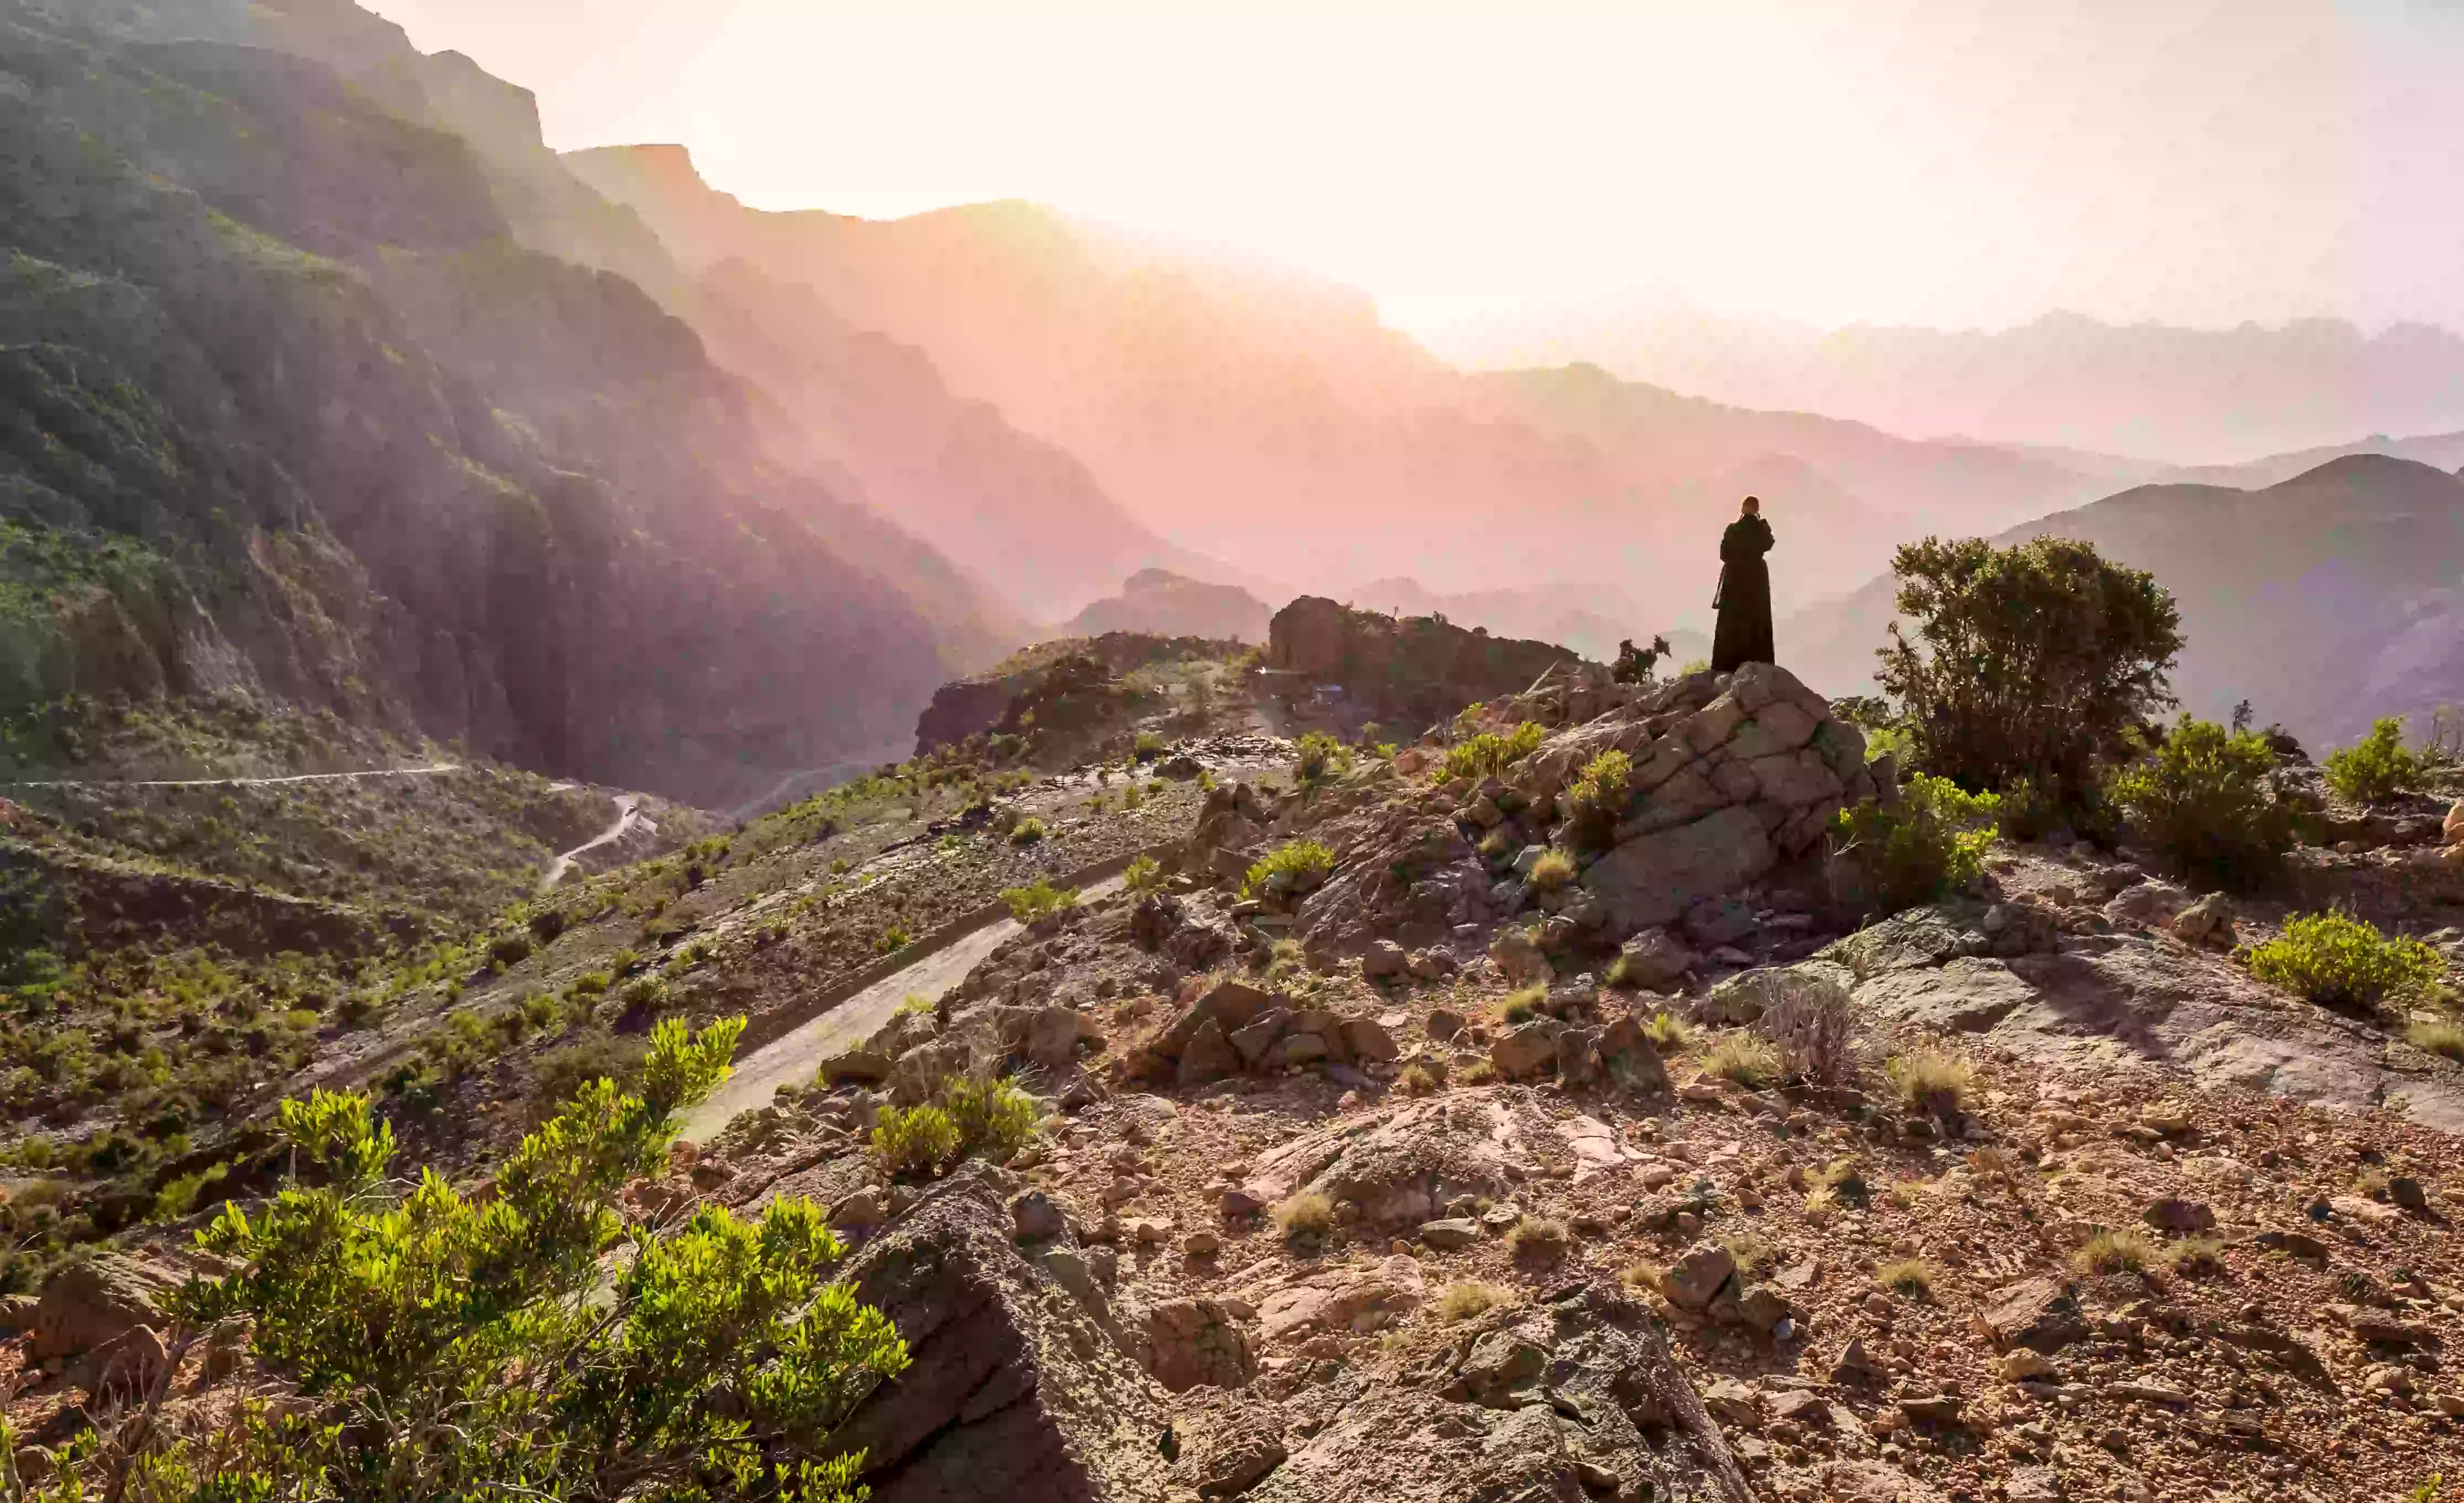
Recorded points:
(1420,1178)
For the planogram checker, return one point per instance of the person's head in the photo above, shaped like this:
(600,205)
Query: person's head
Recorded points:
(1752,506)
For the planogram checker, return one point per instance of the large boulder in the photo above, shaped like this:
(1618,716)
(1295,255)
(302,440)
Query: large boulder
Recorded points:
(1566,1402)
(95,1301)
(1018,1386)
(1654,879)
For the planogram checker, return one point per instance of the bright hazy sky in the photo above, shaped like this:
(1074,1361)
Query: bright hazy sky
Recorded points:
(1957,164)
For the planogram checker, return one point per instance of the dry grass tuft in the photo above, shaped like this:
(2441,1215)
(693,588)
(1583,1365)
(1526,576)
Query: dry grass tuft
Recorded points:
(1307,1213)
(1932,1083)
(2122,1251)
(1539,1239)
(1910,1277)
(1461,1301)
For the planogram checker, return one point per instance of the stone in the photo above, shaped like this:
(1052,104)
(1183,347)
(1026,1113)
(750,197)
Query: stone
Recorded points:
(130,1362)
(1208,1055)
(1038,1218)
(95,1300)
(1654,879)
(1719,920)
(857,1067)
(1932,1408)
(1693,1279)
(2039,1314)
(1777,728)
(1253,1041)
(1195,1341)
(2210,921)
(2452,830)
(2022,1365)
(2181,1216)
(1452,1235)
(1527,1050)
(1445,1023)
(2406,1191)
(1009,1392)
(1366,1041)
(1296,1049)
(1519,956)
(1855,1362)
(865,1209)
(1641,1433)
(1234,1460)
(1238,1206)
(1653,960)
(1796,779)
(1577,1055)
(1384,961)
(1762,1307)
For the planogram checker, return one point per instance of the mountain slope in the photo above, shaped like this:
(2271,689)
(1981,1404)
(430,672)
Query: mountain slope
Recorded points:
(2326,601)
(284,407)
(1267,419)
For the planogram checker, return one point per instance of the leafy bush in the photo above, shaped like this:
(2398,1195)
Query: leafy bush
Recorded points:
(1145,875)
(1598,799)
(2378,767)
(894,939)
(2339,962)
(1320,754)
(596,1054)
(1489,755)
(1027,832)
(994,1118)
(915,1142)
(1934,843)
(1302,863)
(2208,800)
(1040,900)
(2034,661)
(447,1349)
(510,949)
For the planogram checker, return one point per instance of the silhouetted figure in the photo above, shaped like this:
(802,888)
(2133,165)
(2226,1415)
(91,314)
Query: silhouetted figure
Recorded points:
(1744,601)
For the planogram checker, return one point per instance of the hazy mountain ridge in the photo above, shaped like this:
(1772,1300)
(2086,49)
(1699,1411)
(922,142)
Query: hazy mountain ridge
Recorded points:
(2195,396)
(2327,599)
(288,408)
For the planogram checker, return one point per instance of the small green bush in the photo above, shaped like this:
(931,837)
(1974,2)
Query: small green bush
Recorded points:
(1933,843)
(915,1142)
(1553,870)
(1304,861)
(510,949)
(994,1118)
(2339,962)
(1040,900)
(1489,755)
(1599,799)
(894,939)
(1321,755)
(1027,832)
(595,1055)
(2208,800)
(1144,875)
(2378,767)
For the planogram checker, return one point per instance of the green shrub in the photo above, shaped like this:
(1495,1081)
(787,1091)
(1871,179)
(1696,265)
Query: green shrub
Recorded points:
(1040,899)
(1144,875)
(2376,768)
(2034,661)
(1147,746)
(536,1366)
(894,939)
(915,1142)
(2208,800)
(510,949)
(1598,800)
(1489,755)
(1934,843)
(1027,832)
(994,1118)
(1303,863)
(2339,962)
(595,1055)
(1320,754)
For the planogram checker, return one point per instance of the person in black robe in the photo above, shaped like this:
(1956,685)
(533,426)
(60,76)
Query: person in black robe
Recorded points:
(1745,598)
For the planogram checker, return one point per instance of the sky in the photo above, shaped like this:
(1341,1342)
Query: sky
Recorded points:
(1834,161)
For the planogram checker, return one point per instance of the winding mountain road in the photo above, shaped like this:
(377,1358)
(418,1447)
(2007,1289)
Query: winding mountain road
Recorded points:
(793,1058)
(627,816)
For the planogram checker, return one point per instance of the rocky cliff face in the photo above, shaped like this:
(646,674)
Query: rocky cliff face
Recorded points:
(284,408)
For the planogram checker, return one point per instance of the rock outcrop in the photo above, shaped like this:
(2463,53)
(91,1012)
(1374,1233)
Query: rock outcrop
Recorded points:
(1418,669)
(1158,602)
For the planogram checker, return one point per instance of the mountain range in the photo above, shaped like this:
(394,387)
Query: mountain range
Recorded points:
(2170,395)
(324,377)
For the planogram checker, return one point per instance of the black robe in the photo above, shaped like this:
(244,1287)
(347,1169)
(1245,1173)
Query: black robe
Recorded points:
(1745,598)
